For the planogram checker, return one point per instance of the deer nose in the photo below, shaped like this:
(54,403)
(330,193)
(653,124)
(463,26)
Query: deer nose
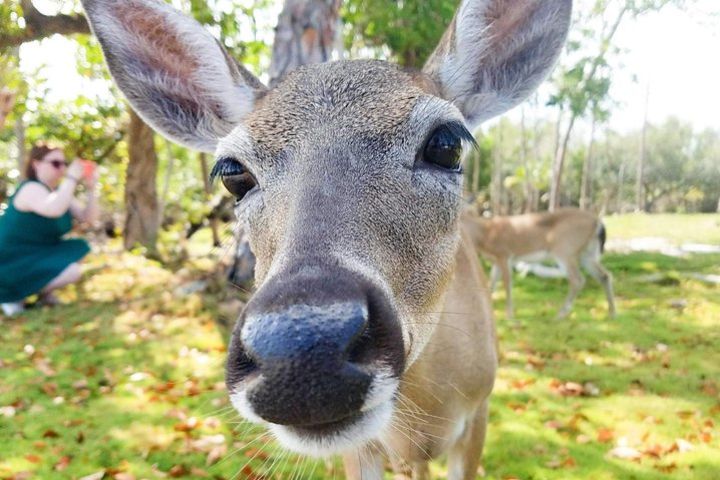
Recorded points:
(304,357)
(307,347)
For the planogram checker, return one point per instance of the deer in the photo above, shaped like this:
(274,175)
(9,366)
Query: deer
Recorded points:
(574,238)
(370,333)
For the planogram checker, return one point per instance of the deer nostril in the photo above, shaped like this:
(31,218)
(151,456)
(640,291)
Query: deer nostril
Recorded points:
(359,351)
(239,365)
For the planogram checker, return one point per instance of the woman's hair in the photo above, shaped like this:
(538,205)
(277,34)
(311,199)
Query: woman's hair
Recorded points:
(37,153)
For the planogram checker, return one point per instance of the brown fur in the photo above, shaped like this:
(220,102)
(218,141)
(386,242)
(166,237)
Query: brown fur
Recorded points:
(569,235)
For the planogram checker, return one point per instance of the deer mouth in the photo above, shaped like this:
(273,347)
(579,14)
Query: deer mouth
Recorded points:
(334,437)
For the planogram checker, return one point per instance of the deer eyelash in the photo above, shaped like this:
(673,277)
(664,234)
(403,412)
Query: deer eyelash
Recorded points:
(226,166)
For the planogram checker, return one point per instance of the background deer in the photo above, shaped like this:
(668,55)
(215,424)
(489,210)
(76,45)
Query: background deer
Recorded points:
(370,332)
(572,237)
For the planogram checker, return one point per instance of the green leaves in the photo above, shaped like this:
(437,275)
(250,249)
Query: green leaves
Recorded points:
(409,29)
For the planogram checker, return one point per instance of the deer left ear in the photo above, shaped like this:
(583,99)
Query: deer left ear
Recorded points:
(497,52)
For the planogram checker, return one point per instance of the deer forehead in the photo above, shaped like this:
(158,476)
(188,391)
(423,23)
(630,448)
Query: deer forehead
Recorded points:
(349,100)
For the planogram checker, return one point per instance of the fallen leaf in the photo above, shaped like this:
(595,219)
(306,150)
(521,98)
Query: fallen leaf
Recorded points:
(215,454)
(187,426)
(520,384)
(570,389)
(605,435)
(256,453)
(583,439)
(50,434)
(655,451)
(32,458)
(178,471)
(50,389)
(249,473)
(626,453)
(666,468)
(63,463)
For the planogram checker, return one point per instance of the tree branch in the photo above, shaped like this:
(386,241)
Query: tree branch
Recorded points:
(38,26)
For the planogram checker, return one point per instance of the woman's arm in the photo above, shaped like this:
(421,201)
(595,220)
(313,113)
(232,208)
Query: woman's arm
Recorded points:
(36,198)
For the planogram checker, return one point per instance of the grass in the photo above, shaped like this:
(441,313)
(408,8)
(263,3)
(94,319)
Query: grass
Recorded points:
(691,228)
(126,381)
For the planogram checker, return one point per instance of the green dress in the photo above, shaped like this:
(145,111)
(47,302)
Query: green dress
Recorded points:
(33,252)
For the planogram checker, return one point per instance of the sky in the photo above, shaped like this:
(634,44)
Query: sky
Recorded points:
(673,52)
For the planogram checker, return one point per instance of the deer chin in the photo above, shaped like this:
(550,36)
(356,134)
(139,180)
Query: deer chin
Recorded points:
(346,434)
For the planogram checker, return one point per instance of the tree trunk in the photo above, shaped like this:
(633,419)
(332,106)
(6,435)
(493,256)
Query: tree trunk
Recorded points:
(141,204)
(7,102)
(558,167)
(307,32)
(166,182)
(585,184)
(639,191)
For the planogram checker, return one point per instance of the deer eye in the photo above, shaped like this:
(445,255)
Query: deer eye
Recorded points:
(444,147)
(235,177)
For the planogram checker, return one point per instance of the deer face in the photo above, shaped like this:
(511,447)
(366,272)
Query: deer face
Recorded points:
(348,180)
(353,186)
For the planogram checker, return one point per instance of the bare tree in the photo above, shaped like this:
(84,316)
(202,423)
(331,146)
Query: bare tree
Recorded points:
(307,32)
(141,202)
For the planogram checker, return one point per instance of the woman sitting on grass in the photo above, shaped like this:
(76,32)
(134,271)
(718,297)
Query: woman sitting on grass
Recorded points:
(34,258)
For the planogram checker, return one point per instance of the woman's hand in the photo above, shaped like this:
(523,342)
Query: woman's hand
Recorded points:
(91,182)
(75,170)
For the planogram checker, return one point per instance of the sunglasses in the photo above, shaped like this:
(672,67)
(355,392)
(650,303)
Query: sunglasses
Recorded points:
(58,164)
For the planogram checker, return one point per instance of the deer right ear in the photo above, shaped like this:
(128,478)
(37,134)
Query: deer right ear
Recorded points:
(178,78)
(496,52)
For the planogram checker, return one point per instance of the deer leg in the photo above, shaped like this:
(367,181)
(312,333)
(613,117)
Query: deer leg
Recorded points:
(363,464)
(464,457)
(494,276)
(600,273)
(576,281)
(505,266)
